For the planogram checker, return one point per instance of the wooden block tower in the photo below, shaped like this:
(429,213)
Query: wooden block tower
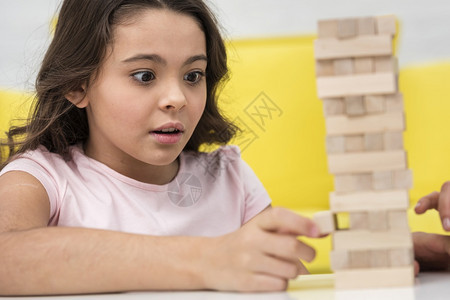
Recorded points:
(357,80)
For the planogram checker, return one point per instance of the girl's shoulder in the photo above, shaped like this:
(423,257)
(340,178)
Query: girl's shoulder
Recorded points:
(40,157)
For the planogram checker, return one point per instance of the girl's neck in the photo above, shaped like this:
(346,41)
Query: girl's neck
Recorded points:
(138,170)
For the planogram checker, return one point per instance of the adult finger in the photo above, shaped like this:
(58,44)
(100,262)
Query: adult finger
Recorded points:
(416,268)
(444,205)
(281,220)
(427,202)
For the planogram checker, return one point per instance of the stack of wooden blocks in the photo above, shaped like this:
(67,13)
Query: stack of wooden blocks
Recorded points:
(357,80)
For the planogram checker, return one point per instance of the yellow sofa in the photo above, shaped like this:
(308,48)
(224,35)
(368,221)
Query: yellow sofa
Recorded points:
(14,105)
(272,96)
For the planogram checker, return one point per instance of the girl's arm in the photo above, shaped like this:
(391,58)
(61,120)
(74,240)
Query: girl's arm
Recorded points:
(38,260)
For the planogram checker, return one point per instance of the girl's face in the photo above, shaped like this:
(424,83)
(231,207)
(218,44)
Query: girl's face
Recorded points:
(148,96)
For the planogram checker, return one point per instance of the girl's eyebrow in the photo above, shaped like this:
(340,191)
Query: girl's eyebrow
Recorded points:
(158,59)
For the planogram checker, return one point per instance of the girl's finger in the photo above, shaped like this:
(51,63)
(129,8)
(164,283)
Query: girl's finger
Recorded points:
(274,266)
(287,247)
(285,221)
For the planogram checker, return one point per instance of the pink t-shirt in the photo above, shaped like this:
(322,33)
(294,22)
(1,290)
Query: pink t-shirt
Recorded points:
(213,194)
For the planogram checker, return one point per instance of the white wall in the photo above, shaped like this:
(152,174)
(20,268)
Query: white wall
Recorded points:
(425,35)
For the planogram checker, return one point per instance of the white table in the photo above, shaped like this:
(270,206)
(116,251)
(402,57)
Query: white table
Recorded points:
(429,286)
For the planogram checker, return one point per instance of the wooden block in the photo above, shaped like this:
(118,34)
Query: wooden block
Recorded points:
(354,106)
(354,143)
(374,278)
(327,29)
(359,220)
(383,180)
(394,103)
(361,46)
(324,68)
(343,125)
(347,28)
(352,182)
(363,65)
(325,221)
(343,66)
(393,140)
(397,219)
(368,240)
(368,200)
(333,106)
(403,179)
(366,162)
(401,257)
(375,103)
(374,142)
(378,220)
(335,144)
(379,259)
(386,64)
(339,260)
(366,26)
(356,85)
(359,259)
(386,25)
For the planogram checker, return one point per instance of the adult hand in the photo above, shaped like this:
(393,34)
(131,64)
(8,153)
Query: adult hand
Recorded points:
(432,251)
(439,201)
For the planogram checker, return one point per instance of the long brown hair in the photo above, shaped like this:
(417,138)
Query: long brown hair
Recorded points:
(83,32)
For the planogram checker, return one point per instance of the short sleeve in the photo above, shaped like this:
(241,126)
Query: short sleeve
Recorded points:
(36,170)
(255,195)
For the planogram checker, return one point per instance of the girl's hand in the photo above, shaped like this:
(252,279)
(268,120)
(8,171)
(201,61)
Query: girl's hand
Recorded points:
(262,255)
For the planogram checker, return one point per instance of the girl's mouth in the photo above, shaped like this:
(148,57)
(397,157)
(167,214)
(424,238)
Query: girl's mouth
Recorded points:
(167,131)
(167,136)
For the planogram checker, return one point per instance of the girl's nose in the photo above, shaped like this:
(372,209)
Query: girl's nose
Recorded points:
(173,97)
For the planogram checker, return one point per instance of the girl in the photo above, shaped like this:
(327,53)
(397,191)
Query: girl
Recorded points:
(105,189)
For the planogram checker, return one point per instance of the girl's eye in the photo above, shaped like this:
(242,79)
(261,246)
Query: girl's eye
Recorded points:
(144,76)
(194,77)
